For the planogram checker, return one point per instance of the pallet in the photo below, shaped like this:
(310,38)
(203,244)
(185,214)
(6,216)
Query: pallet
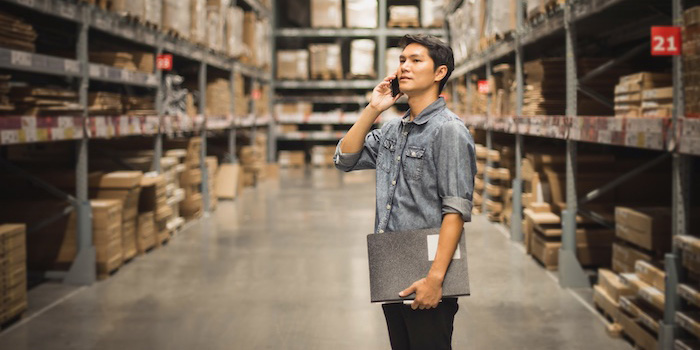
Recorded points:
(107,274)
(403,24)
(327,75)
(11,320)
(106,270)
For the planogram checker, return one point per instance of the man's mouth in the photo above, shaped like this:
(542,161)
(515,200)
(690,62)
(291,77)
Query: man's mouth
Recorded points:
(404,78)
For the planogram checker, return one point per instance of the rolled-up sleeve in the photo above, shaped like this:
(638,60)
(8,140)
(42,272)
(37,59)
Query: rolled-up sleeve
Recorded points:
(456,166)
(365,159)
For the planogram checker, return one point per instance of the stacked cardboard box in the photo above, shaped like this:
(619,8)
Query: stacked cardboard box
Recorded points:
(502,86)
(139,106)
(504,18)
(249,38)
(466,28)
(298,111)
(691,61)
(171,168)
(646,228)
(496,186)
(35,101)
(322,156)
(325,61)
(218,97)
(124,186)
(106,237)
(105,103)
(13,271)
(361,13)
(326,14)
(292,159)
(212,169)
(16,34)
(215,28)
(252,164)
(293,64)
(5,105)
(362,58)
(177,17)
(191,180)
(479,185)
(628,93)
(657,102)
(117,59)
(198,21)
(262,105)
(240,99)
(403,16)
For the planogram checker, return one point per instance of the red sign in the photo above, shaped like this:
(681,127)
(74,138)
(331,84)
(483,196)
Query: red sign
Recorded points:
(665,41)
(256,94)
(483,86)
(164,62)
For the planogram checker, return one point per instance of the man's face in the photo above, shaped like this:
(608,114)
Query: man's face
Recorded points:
(416,70)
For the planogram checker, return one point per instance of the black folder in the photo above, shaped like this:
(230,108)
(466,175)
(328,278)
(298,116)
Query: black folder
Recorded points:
(397,259)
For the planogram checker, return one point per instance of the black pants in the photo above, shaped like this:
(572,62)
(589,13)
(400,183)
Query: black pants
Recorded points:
(421,329)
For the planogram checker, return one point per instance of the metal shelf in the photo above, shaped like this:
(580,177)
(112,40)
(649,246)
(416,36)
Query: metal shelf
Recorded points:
(105,73)
(56,8)
(36,63)
(646,133)
(552,25)
(354,32)
(323,99)
(311,136)
(258,7)
(252,72)
(327,84)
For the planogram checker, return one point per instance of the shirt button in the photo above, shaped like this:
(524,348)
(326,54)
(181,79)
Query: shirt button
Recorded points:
(381,231)
(393,183)
(388,206)
(398,158)
(405,133)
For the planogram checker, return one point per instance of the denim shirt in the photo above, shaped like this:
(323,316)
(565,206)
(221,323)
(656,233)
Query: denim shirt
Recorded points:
(425,169)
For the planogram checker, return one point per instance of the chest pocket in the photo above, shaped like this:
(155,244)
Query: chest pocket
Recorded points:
(413,162)
(386,155)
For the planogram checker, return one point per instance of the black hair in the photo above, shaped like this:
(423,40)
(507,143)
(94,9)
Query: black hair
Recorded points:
(439,51)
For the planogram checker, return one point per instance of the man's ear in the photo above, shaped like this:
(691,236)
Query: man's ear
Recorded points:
(440,73)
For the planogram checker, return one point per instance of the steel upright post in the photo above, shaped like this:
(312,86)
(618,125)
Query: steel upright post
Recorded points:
(82,271)
(571,274)
(516,230)
(203,157)
(158,140)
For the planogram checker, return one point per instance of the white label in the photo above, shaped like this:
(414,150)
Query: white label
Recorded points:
(95,71)
(8,137)
(71,66)
(67,11)
(19,58)
(433,246)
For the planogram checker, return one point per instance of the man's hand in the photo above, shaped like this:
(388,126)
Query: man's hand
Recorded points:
(381,95)
(428,293)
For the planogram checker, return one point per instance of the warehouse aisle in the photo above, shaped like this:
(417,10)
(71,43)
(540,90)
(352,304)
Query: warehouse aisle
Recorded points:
(284,267)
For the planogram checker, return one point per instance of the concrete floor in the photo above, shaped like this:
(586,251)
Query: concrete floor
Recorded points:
(284,267)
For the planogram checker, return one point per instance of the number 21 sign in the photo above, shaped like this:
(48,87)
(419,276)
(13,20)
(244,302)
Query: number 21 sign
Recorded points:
(665,41)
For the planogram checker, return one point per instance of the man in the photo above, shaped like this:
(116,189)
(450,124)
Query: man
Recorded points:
(425,166)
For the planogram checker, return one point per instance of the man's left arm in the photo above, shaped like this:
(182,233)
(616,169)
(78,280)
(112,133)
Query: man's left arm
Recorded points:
(456,166)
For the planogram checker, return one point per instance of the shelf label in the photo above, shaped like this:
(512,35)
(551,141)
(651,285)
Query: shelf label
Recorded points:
(19,58)
(66,10)
(164,62)
(483,87)
(665,41)
(71,66)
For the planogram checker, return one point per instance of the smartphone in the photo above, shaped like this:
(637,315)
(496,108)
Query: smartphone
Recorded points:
(395,87)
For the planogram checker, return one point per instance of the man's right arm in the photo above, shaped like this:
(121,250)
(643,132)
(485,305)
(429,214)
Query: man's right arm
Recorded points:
(358,150)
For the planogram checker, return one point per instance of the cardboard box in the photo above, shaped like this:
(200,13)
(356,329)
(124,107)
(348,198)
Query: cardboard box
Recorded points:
(634,329)
(292,158)
(145,232)
(176,17)
(403,15)
(687,344)
(105,214)
(625,256)
(233,22)
(604,301)
(326,14)
(117,180)
(610,282)
(432,13)
(361,13)
(648,228)
(293,64)
(128,197)
(392,63)
(645,314)
(651,274)
(129,239)
(547,252)
(690,321)
(690,244)
(689,293)
(325,60)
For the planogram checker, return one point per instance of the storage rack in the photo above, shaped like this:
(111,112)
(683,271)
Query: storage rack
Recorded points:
(381,34)
(30,129)
(675,137)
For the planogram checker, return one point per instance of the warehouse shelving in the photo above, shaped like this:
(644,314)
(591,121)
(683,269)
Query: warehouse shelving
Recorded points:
(675,137)
(32,129)
(382,34)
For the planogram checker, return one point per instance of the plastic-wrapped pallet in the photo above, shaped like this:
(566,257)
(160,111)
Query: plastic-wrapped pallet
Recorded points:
(176,17)
(234,32)
(293,64)
(325,61)
(262,35)
(393,55)
(534,7)
(199,23)
(218,97)
(127,7)
(326,14)
(361,13)
(153,12)
(215,30)
(362,58)
(432,13)
(403,16)
(249,37)
(504,16)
